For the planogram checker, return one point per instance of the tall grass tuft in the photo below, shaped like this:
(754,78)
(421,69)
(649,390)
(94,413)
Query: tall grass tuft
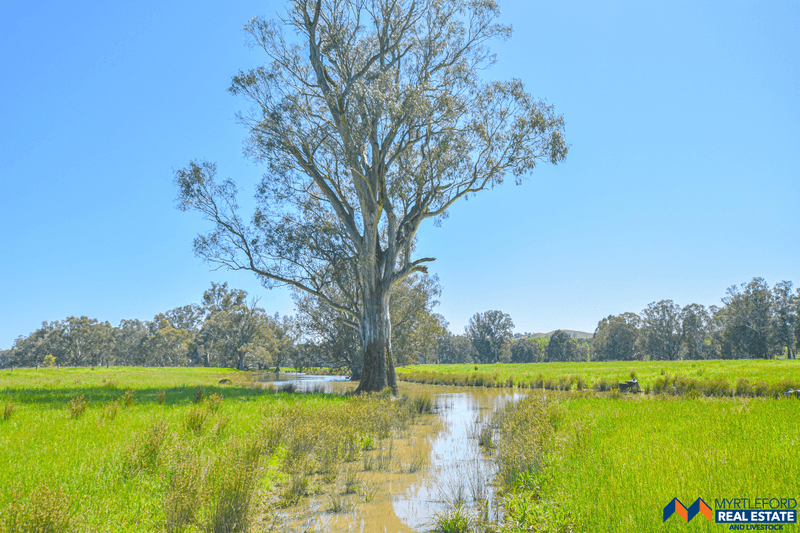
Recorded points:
(235,487)
(526,430)
(77,406)
(127,399)
(42,511)
(422,402)
(109,411)
(8,410)
(198,394)
(457,520)
(161,396)
(287,387)
(183,496)
(143,454)
(215,401)
(194,420)
(351,480)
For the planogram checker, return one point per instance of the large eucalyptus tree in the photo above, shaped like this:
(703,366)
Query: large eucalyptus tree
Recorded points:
(371,118)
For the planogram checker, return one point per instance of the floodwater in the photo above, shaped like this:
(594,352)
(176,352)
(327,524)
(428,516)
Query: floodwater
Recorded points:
(454,469)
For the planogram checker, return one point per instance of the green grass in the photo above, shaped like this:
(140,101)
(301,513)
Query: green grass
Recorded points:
(613,464)
(153,466)
(777,375)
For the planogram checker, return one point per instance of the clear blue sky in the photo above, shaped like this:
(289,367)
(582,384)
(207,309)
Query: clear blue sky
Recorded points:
(683,177)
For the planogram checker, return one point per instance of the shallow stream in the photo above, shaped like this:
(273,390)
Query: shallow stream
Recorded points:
(455,468)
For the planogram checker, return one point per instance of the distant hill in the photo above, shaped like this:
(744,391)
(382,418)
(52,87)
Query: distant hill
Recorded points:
(571,332)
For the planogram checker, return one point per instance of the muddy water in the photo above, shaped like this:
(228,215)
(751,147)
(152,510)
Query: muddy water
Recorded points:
(400,499)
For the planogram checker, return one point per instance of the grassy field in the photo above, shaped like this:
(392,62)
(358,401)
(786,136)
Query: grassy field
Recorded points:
(718,378)
(134,449)
(612,464)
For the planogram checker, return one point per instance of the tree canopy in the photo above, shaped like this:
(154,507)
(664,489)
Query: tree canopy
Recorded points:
(371,118)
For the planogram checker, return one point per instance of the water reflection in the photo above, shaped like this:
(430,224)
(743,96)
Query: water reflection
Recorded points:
(306,382)
(459,472)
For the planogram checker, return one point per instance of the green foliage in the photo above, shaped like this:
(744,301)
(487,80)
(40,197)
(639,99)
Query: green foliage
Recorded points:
(195,419)
(561,347)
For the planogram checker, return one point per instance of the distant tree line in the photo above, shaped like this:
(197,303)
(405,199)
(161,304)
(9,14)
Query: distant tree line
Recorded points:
(488,339)
(227,329)
(754,322)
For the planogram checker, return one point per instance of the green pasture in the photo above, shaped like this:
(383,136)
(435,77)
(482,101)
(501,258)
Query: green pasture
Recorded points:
(614,463)
(772,375)
(128,462)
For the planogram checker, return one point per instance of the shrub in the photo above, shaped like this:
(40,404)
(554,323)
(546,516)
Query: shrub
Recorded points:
(661,383)
(161,396)
(509,381)
(77,406)
(564,383)
(579,383)
(49,361)
(44,510)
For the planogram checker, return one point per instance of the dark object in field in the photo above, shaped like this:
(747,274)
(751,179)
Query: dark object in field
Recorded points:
(225,381)
(792,393)
(631,385)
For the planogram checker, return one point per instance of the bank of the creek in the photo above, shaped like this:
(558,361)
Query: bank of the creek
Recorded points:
(435,465)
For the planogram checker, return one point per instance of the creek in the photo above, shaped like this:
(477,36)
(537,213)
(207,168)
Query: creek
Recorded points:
(456,470)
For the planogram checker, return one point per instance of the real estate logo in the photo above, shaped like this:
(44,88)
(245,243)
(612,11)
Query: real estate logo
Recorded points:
(740,513)
(698,507)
